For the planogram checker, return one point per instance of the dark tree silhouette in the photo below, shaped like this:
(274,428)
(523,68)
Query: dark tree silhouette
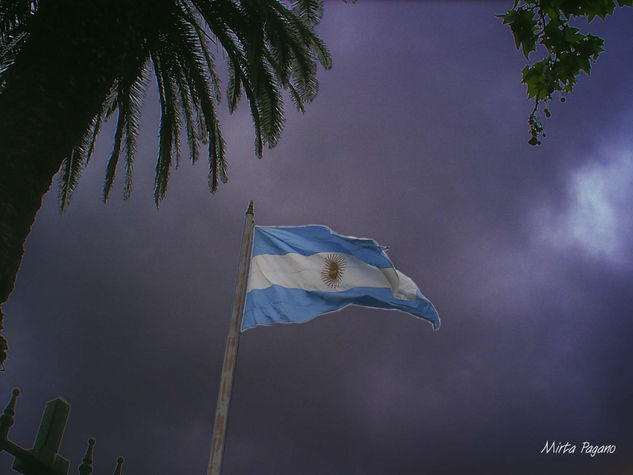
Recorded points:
(68,65)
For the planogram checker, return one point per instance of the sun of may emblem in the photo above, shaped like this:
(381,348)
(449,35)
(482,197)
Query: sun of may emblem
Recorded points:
(333,269)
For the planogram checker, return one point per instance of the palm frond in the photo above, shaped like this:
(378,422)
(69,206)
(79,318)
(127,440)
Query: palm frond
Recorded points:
(270,104)
(69,176)
(306,34)
(296,97)
(233,90)
(10,49)
(193,21)
(225,20)
(74,163)
(190,79)
(270,46)
(128,100)
(132,124)
(14,17)
(116,149)
(165,135)
(189,110)
(93,132)
(308,11)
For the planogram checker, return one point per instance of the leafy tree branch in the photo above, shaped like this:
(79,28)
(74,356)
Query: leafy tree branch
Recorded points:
(556,49)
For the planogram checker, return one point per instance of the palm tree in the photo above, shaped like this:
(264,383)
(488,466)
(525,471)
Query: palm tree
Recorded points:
(68,65)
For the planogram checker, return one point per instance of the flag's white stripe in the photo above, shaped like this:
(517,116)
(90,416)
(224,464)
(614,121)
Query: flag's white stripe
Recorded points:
(305,272)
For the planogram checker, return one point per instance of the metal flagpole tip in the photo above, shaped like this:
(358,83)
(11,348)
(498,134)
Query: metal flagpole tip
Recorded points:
(250,208)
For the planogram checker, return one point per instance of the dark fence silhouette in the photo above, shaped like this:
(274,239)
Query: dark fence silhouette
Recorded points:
(43,458)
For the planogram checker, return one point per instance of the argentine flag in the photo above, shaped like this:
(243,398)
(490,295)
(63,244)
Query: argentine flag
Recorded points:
(300,272)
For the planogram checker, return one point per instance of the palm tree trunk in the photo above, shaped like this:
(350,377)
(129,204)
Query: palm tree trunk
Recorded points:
(50,95)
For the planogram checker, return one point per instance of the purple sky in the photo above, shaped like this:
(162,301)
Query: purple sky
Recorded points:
(418,139)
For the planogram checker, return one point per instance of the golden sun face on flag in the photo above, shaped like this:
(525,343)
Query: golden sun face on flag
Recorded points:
(333,269)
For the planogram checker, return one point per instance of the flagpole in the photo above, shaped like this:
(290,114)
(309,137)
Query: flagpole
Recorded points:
(230,352)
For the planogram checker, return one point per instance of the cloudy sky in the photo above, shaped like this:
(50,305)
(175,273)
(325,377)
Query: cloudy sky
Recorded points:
(418,139)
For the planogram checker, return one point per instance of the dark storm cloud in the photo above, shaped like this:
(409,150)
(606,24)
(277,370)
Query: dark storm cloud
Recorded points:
(417,139)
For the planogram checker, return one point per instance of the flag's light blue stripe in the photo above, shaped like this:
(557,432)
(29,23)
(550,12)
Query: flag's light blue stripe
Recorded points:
(278,304)
(308,240)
